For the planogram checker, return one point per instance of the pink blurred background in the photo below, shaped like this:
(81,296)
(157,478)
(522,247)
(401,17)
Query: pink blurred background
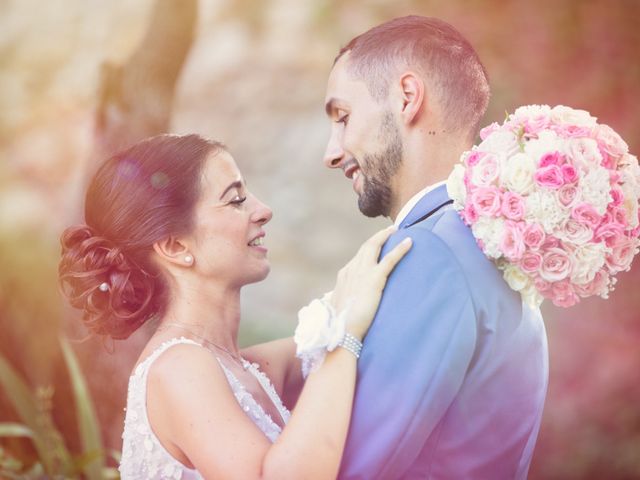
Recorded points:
(79,77)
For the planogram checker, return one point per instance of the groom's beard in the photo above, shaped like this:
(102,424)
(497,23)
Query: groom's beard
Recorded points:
(375,199)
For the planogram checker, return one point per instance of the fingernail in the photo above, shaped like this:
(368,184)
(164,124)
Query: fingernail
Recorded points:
(407,240)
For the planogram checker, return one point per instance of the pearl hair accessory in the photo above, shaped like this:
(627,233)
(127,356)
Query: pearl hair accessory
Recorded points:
(104,287)
(188,259)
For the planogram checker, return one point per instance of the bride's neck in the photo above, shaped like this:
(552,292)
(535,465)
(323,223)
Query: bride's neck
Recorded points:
(208,312)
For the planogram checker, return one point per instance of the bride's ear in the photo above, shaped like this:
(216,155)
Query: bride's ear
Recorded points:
(174,251)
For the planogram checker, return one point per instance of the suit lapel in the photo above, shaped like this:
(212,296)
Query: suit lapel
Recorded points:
(427,206)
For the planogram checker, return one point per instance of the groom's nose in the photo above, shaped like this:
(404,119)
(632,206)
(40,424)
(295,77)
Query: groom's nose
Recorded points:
(334,153)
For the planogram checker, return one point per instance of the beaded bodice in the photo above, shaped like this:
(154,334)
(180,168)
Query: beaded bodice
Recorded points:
(144,457)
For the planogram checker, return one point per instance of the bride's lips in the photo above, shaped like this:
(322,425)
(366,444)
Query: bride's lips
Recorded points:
(257,242)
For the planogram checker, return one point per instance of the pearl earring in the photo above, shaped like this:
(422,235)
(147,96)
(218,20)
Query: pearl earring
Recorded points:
(188,259)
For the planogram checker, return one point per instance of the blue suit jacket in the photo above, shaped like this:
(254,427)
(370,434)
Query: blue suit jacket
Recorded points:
(453,373)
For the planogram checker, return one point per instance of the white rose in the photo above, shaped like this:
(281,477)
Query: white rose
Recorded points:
(547,142)
(455,186)
(313,330)
(515,278)
(630,204)
(531,296)
(500,142)
(596,189)
(543,207)
(566,115)
(575,232)
(517,174)
(490,232)
(486,171)
(531,111)
(583,152)
(587,260)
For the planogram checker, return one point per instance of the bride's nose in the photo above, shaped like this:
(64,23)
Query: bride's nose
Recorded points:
(261,213)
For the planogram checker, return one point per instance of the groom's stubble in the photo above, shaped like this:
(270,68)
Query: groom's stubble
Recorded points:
(378,170)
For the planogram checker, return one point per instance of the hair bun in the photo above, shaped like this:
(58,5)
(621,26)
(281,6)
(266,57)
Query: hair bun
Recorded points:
(90,263)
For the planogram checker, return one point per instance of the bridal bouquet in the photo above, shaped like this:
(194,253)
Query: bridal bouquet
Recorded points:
(552,197)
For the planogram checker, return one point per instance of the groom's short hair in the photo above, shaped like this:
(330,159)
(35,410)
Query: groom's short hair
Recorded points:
(438,51)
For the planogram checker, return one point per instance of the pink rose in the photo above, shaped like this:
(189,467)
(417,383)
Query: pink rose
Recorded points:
(598,286)
(622,254)
(486,201)
(512,206)
(567,194)
(572,131)
(488,130)
(617,197)
(550,176)
(556,265)
(533,125)
(563,294)
(585,213)
(512,243)
(474,157)
(607,160)
(611,142)
(530,262)
(619,215)
(610,233)
(569,173)
(533,235)
(485,171)
(614,177)
(576,232)
(553,158)
(550,242)
(469,214)
(542,286)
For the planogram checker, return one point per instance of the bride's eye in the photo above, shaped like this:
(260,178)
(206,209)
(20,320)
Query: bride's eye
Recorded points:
(237,200)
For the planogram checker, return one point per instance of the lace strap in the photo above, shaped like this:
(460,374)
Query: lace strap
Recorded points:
(143,367)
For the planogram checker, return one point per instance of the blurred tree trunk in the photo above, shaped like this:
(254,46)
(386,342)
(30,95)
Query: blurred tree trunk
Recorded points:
(135,99)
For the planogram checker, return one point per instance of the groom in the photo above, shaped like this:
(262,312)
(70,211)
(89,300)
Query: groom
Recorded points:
(453,374)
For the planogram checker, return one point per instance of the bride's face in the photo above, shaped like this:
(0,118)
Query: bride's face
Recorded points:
(227,240)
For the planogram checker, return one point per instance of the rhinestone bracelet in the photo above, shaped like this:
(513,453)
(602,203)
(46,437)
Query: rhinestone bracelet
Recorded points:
(352,344)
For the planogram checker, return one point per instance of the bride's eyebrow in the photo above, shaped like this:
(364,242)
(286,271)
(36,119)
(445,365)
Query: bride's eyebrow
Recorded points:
(236,184)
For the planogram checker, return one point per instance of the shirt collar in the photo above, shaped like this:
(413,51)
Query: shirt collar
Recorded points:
(413,201)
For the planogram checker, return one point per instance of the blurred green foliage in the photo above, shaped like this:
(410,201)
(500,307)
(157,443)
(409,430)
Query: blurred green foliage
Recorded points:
(53,457)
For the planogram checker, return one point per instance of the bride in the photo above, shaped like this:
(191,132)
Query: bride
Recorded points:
(173,233)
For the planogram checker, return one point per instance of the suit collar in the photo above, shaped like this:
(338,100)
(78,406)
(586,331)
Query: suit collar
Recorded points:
(430,202)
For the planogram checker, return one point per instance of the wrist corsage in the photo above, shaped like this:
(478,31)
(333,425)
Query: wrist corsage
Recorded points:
(321,330)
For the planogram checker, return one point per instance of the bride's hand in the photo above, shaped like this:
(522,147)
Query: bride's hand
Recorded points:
(360,282)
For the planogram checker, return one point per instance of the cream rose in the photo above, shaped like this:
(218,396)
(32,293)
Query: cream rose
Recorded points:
(517,174)
(313,330)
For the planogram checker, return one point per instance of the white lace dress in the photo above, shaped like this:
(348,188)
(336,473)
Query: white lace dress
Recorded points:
(144,457)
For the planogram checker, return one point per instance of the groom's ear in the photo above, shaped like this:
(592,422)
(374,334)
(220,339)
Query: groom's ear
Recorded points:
(413,97)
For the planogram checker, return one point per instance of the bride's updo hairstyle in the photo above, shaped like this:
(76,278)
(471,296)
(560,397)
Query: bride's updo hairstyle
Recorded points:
(138,197)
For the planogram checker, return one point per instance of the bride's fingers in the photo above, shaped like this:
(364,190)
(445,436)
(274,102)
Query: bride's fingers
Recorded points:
(370,249)
(391,259)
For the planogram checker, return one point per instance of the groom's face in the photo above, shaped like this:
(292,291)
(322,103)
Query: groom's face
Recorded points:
(364,143)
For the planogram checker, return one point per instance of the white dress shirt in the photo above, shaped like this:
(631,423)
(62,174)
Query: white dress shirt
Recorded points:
(413,201)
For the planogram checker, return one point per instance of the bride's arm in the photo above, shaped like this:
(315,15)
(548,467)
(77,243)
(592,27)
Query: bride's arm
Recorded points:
(278,360)
(205,422)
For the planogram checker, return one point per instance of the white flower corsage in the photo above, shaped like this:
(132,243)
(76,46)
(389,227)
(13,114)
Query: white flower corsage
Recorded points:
(319,331)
